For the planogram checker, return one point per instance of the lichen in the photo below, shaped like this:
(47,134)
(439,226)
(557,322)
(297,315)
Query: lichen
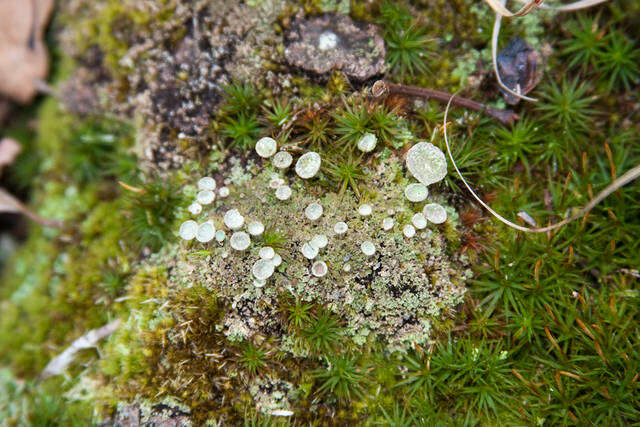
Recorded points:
(370,297)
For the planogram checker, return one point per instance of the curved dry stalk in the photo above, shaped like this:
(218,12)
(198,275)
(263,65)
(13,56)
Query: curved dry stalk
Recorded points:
(529,6)
(499,8)
(571,7)
(629,176)
(9,203)
(59,363)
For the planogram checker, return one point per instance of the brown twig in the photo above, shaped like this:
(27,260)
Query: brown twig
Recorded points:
(382,88)
(9,203)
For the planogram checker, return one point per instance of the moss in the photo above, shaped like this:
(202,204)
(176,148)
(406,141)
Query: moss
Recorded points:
(112,28)
(548,319)
(39,403)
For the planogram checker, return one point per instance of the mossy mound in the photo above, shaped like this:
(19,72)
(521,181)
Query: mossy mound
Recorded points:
(467,322)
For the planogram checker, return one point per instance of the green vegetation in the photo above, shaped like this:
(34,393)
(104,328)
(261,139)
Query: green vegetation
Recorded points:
(352,122)
(152,212)
(618,61)
(409,46)
(38,404)
(587,41)
(273,238)
(321,334)
(606,49)
(342,378)
(253,358)
(298,314)
(243,130)
(279,114)
(98,150)
(240,97)
(240,110)
(548,333)
(346,173)
(568,107)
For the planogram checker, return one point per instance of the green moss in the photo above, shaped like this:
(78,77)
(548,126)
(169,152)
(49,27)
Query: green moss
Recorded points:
(343,378)
(321,334)
(31,403)
(111,27)
(550,320)
(152,211)
(242,131)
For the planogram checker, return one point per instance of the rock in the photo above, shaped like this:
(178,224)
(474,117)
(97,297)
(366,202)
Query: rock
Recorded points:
(517,64)
(335,42)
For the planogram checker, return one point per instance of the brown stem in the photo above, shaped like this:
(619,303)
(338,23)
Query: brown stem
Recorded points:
(10,204)
(382,88)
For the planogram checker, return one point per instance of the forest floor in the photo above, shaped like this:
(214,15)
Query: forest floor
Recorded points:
(404,319)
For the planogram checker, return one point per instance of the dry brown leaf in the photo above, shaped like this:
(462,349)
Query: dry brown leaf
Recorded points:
(9,150)
(10,204)
(23,54)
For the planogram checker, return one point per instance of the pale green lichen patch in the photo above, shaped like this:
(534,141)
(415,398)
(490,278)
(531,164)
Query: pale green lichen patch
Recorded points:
(392,294)
(272,394)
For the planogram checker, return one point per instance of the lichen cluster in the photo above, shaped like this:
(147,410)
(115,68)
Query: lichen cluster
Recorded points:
(393,295)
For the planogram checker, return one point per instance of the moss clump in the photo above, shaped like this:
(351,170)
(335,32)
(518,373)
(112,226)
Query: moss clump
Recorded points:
(40,404)
(152,210)
(54,290)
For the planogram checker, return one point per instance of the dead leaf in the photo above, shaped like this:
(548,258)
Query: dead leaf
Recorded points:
(88,340)
(10,204)
(517,64)
(23,54)
(9,150)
